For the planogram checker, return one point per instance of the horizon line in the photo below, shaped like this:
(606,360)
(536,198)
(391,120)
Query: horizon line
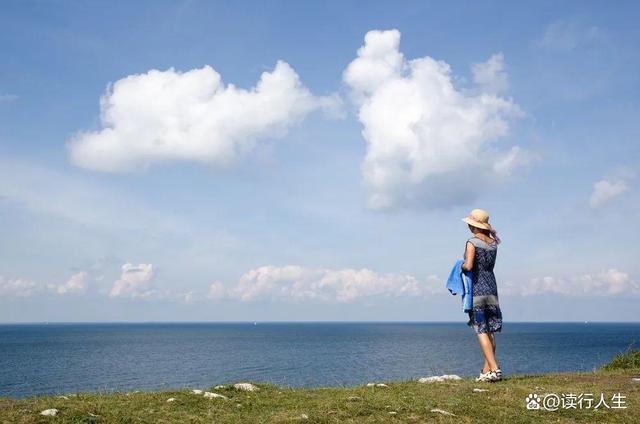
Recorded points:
(306,322)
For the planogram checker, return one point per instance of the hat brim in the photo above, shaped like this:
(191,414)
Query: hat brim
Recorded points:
(477,224)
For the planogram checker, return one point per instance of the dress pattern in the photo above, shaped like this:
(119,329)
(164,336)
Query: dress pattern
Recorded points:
(486,316)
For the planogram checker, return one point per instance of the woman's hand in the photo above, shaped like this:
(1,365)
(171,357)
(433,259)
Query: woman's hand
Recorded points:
(469,254)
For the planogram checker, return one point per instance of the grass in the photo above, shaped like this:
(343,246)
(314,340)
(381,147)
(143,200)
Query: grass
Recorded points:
(627,360)
(407,401)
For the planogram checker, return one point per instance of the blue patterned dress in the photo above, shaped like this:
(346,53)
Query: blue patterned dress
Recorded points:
(486,316)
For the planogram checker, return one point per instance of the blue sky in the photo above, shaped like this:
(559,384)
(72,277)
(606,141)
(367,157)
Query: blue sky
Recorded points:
(310,161)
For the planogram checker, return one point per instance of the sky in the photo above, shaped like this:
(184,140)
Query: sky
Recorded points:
(312,161)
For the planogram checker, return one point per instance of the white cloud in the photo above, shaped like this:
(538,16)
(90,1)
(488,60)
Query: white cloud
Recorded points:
(426,139)
(295,283)
(217,291)
(606,283)
(514,158)
(18,287)
(134,282)
(76,284)
(490,75)
(605,190)
(169,115)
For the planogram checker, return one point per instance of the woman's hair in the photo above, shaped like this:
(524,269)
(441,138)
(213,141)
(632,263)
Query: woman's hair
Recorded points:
(492,233)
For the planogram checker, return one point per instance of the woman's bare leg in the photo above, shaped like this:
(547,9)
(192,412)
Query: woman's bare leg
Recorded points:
(493,342)
(486,367)
(487,347)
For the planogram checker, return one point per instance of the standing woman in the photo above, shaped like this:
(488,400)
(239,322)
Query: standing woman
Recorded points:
(486,317)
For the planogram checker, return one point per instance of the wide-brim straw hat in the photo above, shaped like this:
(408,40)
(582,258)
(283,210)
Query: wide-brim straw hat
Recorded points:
(478,218)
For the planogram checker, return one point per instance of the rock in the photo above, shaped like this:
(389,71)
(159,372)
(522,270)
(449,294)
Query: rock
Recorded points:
(393,413)
(332,412)
(247,387)
(636,379)
(172,400)
(211,395)
(50,412)
(354,398)
(304,416)
(196,392)
(442,411)
(376,385)
(220,387)
(63,397)
(439,378)
(480,390)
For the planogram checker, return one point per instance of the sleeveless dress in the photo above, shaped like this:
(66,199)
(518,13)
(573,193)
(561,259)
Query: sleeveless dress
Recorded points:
(486,316)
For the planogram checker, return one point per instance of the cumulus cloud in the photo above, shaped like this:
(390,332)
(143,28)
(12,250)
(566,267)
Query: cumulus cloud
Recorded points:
(171,115)
(609,188)
(134,282)
(490,75)
(426,138)
(608,283)
(20,287)
(17,287)
(217,291)
(76,284)
(296,283)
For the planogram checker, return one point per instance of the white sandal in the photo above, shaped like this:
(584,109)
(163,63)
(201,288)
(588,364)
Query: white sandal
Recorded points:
(484,376)
(490,376)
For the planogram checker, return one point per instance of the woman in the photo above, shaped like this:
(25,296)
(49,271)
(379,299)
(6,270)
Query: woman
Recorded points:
(486,317)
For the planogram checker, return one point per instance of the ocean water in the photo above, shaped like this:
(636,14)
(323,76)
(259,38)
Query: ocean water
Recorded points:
(67,358)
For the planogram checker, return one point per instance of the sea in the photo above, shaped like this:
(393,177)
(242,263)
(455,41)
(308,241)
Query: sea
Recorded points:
(37,359)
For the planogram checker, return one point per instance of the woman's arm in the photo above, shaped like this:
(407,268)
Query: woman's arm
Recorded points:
(469,254)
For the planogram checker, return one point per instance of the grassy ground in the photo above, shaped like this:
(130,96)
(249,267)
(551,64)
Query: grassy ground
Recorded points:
(408,401)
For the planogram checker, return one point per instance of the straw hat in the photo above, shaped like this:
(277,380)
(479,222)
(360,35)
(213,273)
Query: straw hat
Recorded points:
(478,218)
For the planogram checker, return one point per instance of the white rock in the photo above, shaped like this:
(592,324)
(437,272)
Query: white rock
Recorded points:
(381,385)
(197,392)
(171,400)
(370,384)
(212,395)
(439,378)
(442,411)
(393,413)
(220,387)
(247,387)
(304,416)
(480,390)
(63,397)
(635,379)
(49,412)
